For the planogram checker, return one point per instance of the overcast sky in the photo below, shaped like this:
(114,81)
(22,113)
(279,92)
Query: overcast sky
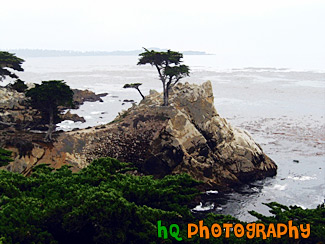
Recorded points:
(248,27)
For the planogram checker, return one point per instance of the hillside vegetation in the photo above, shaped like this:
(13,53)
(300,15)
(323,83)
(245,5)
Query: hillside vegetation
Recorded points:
(104,204)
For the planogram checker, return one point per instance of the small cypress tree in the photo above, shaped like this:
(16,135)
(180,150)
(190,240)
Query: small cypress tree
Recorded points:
(47,97)
(135,86)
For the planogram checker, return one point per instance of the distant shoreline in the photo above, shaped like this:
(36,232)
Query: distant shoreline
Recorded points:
(70,53)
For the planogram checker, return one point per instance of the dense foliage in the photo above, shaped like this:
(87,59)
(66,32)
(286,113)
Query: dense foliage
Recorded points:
(9,61)
(103,204)
(169,67)
(5,157)
(47,97)
(97,205)
(19,86)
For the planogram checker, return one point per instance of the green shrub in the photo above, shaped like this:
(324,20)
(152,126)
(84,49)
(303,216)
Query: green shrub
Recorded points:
(5,157)
(19,86)
(100,204)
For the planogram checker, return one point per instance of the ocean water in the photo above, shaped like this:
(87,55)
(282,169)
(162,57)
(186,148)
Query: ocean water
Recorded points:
(282,106)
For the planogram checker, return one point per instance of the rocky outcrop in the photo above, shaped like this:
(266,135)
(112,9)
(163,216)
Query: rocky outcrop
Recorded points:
(15,111)
(81,96)
(74,117)
(186,137)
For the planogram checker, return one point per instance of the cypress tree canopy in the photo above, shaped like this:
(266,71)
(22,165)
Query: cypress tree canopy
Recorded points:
(9,61)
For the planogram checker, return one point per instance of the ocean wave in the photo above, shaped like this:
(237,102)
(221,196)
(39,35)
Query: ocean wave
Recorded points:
(202,208)
(279,187)
(301,178)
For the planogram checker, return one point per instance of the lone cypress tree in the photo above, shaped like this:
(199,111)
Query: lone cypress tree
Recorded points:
(47,97)
(9,61)
(168,65)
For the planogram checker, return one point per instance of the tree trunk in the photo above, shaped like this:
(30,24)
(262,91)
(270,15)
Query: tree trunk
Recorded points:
(140,93)
(165,97)
(165,94)
(48,136)
(163,79)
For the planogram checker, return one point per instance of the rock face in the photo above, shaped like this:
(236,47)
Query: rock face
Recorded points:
(187,136)
(14,109)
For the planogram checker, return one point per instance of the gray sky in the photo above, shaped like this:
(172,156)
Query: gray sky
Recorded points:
(234,27)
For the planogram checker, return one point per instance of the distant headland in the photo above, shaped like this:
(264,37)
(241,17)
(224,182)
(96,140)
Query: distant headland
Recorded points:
(62,53)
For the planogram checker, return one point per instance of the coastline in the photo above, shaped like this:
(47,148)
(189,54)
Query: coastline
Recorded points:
(282,113)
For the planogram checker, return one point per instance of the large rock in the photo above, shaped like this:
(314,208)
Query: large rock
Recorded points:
(14,110)
(187,136)
(81,96)
(11,99)
(74,117)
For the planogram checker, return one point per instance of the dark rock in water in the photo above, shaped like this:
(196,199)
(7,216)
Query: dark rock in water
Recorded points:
(186,137)
(74,117)
(81,96)
(104,94)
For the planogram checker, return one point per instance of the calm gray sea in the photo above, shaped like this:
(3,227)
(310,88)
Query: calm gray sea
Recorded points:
(282,107)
